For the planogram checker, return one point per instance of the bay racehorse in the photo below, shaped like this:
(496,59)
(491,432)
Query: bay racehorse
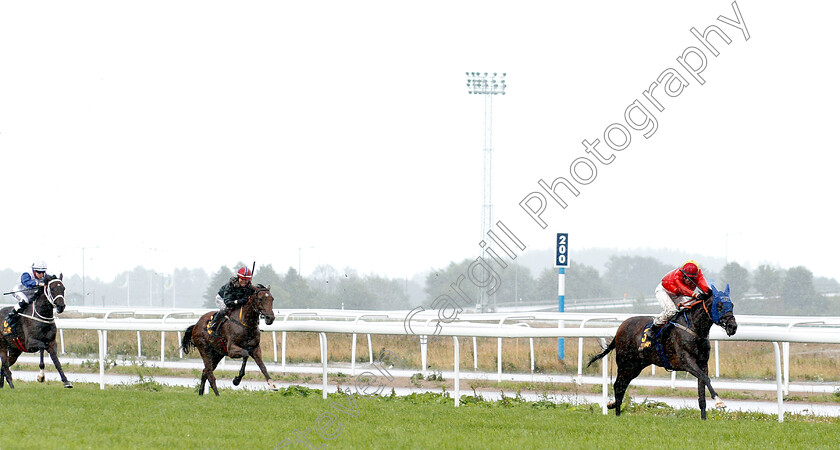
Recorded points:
(681,344)
(35,331)
(238,337)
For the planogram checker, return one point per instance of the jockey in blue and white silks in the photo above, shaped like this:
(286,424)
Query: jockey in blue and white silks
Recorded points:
(29,283)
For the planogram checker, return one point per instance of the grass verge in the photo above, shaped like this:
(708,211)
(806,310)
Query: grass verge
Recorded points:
(148,415)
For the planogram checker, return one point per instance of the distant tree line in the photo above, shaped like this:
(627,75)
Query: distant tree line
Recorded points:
(765,290)
(326,288)
(794,291)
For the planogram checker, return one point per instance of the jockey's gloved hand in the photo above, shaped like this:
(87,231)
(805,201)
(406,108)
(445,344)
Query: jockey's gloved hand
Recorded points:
(704,295)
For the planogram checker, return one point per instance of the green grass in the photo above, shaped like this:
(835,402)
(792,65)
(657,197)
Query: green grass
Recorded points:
(148,415)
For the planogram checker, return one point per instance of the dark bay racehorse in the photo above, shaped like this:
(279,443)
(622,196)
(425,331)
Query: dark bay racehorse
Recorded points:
(682,344)
(36,331)
(238,337)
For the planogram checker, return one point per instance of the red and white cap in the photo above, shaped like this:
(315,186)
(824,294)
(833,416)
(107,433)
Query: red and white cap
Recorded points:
(245,273)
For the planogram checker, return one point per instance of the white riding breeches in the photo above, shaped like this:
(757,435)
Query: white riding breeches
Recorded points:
(668,304)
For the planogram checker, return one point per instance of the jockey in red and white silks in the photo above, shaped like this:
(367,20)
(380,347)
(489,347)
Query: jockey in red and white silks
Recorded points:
(677,287)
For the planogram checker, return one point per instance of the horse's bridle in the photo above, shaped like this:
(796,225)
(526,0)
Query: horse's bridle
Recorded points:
(48,292)
(256,293)
(714,312)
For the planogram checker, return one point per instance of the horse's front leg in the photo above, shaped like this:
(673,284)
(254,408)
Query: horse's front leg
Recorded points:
(235,351)
(41,366)
(256,353)
(701,398)
(238,378)
(51,349)
(703,381)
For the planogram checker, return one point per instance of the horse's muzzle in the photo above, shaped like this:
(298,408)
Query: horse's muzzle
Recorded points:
(731,327)
(269,320)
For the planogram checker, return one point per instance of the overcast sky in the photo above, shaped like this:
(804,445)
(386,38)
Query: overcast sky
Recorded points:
(198,134)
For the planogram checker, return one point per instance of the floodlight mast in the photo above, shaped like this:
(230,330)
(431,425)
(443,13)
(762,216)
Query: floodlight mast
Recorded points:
(487,85)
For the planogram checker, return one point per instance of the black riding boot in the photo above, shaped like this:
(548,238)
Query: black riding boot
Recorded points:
(215,321)
(13,314)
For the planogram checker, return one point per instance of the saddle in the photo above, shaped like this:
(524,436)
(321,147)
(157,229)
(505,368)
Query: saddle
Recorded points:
(7,327)
(11,325)
(11,330)
(211,325)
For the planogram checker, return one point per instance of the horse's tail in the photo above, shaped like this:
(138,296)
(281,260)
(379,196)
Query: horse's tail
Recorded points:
(604,353)
(186,341)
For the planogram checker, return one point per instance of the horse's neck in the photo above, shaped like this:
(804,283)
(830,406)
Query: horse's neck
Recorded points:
(42,307)
(699,320)
(249,313)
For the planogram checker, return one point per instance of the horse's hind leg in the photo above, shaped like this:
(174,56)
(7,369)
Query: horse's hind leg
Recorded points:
(622,380)
(5,374)
(7,359)
(54,356)
(214,361)
(12,357)
(208,368)
(4,362)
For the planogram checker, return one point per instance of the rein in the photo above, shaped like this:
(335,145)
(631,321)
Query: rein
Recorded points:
(42,319)
(684,328)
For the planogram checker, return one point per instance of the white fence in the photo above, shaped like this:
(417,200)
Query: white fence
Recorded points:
(426,324)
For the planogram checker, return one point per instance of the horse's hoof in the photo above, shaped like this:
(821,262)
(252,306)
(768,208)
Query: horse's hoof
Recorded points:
(40,378)
(68,385)
(719,403)
(236,381)
(272,386)
(611,405)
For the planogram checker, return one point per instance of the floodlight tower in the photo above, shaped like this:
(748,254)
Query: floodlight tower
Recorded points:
(487,85)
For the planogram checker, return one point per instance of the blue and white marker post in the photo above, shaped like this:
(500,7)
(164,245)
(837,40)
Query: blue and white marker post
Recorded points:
(561,262)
